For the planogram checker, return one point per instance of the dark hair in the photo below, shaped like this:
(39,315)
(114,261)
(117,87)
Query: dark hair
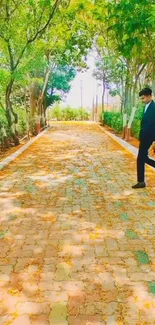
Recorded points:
(145,92)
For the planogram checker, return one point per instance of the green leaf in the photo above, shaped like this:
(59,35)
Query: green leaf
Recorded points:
(12,217)
(142,257)
(151,204)
(124,217)
(118,204)
(2,234)
(152,287)
(131,234)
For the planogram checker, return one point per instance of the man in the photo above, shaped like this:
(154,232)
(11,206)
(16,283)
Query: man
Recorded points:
(147,136)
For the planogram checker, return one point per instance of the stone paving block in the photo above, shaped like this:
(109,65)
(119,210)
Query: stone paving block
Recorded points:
(40,320)
(101,251)
(58,313)
(73,233)
(4,278)
(62,272)
(5,319)
(24,320)
(56,296)
(106,280)
(85,320)
(111,320)
(111,245)
(31,308)
(30,288)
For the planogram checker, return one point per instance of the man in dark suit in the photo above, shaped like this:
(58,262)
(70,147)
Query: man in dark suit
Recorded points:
(147,136)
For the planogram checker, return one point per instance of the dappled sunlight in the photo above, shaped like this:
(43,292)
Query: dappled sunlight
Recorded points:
(50,179)
(74,239)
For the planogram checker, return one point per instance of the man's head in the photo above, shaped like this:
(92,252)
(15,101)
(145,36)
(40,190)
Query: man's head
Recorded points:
(146,95)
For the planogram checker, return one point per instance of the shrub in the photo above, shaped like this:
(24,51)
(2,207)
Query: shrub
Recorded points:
(21,127)
(137,123)
(115,121)
(57,113)
(69,113)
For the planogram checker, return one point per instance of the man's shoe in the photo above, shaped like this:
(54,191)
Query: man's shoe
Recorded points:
(139,185)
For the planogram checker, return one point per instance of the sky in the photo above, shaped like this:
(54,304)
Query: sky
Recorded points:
(90,88)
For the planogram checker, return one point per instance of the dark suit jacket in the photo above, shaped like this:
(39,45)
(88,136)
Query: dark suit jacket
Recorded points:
(147,131)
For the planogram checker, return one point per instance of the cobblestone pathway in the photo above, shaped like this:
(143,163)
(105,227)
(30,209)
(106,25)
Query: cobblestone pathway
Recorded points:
(76,242)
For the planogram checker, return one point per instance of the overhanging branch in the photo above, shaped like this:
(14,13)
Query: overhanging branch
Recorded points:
(38,33)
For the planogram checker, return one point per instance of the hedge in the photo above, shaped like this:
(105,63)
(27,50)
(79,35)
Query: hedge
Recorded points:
(115,121)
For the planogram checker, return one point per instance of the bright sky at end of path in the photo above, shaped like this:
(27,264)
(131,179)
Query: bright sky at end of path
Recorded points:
(89,85)
(90,88)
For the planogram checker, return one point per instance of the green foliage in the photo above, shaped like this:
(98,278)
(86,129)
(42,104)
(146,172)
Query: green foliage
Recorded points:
(142,257)
(35,35)
(152,287)
(3,123)
(131,34)
(114,120)
(61,77)
(69,114)
(124,217)
(2,233)
(131,234)
(110,70)
(59,80)
(129,45)
(21,127)
(56,112)
(136,125)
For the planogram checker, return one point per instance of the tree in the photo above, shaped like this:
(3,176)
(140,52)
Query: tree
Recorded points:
(110,70)
(21,24)
(129,40)
(58,84)
(57,31)
(68,46)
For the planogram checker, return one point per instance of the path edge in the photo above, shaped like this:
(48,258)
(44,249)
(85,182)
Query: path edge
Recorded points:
(124,144)
(9,159)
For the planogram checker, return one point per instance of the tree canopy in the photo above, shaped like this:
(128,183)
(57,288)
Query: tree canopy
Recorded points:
(42,43)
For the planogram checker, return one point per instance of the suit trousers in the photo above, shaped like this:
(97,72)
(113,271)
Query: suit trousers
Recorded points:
(143,159)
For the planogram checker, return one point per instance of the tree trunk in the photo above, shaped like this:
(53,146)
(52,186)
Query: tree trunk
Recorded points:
(122,94)
(127,89)
(130,123)
(45,110)
(103,95)
(10,112)
(124,125)
(153,78)
(5,143)
(127,99)
(134,93)
(136,83)
(34,93)
(41,97)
